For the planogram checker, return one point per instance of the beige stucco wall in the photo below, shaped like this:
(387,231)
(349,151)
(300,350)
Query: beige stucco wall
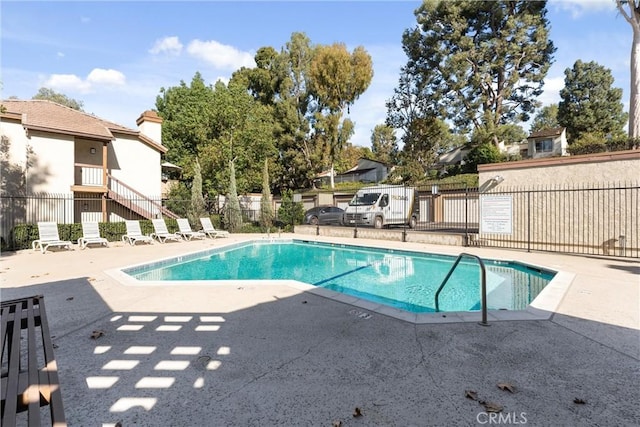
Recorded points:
(621,166)
(137,165)
(50,168)
(15,135)
(575,204)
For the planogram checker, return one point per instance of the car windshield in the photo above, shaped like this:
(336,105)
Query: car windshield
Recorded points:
(364,199)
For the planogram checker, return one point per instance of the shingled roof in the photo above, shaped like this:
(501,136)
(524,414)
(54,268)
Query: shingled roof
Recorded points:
(547,132)
(52,117)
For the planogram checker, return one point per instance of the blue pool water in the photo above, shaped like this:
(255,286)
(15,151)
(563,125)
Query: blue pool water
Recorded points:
(401,279)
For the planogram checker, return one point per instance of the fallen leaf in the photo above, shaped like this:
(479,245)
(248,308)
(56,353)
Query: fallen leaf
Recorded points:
(357,412)
(97,334)
(491,407)
(34,276)
(507,386)
(579,401)
(203,360)
(304,302)
(70,298)
(336,423)
(118,424)
(55,346)
(471,394)
(91,279)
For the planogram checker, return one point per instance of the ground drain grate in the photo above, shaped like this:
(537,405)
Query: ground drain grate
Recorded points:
(360,314)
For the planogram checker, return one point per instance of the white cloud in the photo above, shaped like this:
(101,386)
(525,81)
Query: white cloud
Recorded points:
(85,19)
(552,88)
(60,55)
(67,82)
(219,55)
(97,77)
(578,8)
(169,45)
(100,76)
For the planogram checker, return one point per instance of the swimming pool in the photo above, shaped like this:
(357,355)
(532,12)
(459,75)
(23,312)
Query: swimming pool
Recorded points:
(399,279)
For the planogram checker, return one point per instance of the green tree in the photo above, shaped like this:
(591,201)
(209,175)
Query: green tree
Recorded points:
(630,9)
(232,212)
(384,144)
(280,81)
(290,213)
(482,154)
(475,63)
(197,210)
(187,117)
(337,80)
(241,129)
(589,103)
(424,139)
(509,134)
(547,118)
(266,210)
(51,95)
(350,156)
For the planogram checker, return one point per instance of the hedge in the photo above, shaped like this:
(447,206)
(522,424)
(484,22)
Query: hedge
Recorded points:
(22,235)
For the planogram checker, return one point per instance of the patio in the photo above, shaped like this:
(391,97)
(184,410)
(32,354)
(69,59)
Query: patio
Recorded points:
(273,355)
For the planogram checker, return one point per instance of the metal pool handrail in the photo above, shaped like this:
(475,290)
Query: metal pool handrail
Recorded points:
(483,283)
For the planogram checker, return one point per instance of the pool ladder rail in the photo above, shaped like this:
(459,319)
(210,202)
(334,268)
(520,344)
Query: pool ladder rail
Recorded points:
(483,284)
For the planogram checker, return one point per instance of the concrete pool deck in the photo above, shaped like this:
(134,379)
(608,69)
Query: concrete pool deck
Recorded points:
(275,355)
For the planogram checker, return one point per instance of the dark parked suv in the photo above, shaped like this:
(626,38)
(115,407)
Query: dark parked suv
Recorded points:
(321,215)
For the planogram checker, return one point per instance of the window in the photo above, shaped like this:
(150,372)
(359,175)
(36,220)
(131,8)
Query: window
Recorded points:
(544,145)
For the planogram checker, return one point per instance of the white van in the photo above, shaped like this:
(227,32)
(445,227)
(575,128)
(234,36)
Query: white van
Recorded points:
(382,206)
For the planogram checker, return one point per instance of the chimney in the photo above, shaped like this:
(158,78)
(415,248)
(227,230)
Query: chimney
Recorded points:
(150,125)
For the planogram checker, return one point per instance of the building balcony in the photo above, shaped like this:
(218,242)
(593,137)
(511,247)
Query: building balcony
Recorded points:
(89,179)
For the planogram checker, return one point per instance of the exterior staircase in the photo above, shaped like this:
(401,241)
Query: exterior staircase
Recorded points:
(137,202)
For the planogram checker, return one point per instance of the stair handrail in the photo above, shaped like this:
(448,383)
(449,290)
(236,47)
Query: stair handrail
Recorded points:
(161,208)
(483,284)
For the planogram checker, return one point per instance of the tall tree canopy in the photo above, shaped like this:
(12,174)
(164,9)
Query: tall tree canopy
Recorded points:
(281,81)
(547,118)
(589,103)
(52,95)
(384,144)
(337,79)
(288,109)
(217,124)
(476,63)
(186,113)
(630,9)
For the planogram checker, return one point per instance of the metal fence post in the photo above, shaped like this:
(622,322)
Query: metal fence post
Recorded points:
(528,221)
(466,216)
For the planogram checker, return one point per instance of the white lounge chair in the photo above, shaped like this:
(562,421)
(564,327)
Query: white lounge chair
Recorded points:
(161,233)
(210,230)
(134,234)
(184,230)
(90,235)
(48,236)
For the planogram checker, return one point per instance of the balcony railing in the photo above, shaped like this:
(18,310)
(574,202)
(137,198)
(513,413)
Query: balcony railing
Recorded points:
(89,175)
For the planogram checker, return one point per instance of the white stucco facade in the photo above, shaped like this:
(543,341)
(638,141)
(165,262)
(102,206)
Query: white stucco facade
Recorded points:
(137,165)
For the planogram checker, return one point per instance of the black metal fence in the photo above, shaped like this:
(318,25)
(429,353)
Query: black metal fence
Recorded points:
(594,219)
(599,219)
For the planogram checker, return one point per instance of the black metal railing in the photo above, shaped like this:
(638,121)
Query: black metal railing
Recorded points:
(601,219)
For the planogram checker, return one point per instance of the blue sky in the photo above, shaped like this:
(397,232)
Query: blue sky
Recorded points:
(114,56)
